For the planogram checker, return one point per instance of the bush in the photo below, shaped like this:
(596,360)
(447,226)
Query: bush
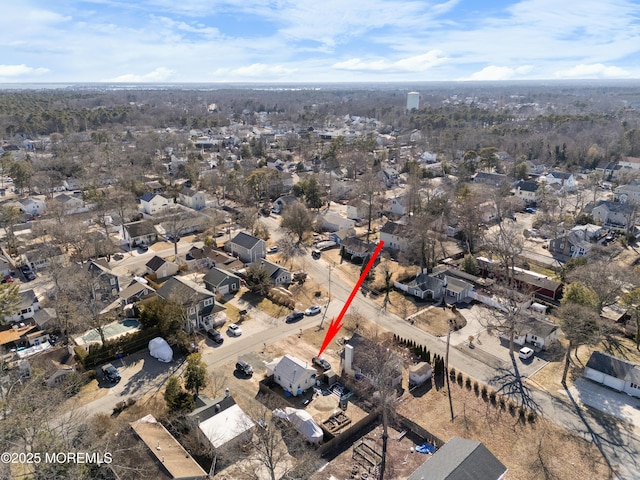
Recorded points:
(503,403)
(484,392)
(512,408)
(531,417)
(476,388)
(522,413)
(452,374)
(468,383)
(459,378)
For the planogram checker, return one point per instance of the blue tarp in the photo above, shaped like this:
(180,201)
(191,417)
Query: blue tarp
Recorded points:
(425,448)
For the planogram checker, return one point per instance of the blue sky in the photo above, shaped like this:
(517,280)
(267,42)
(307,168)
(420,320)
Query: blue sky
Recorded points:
(311,41)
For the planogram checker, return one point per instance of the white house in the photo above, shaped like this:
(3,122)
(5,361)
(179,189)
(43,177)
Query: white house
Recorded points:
(527,191)
(613,372)
(398,205)
(394,236)
(160,267)
(419,374)
(333,222)
(292,374)
(627,193)
(152,203)
(630,162)
(278,274)
(566,180)
(194,199)
(33,205)
(70,204)
(28,307)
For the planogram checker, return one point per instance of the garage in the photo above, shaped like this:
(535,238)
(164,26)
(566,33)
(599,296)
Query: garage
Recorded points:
(612,372)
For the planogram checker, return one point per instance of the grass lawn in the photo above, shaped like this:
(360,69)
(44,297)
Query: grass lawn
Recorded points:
(264,304)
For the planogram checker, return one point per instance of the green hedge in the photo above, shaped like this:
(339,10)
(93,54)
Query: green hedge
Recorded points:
(124,345)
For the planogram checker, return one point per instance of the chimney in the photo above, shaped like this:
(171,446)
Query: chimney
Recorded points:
(226,393)
(348,357)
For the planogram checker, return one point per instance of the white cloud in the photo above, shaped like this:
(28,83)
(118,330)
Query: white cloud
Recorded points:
(20,70)
(596,70)
(256,70)
(160,74)
(418,63)
(493,72)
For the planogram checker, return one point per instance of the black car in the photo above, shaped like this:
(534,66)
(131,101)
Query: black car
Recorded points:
(215,336)
(244,368)
(143,248)
(111,373)
(321,362)
(294,317)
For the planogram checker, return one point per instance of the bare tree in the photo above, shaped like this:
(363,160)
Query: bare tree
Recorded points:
(507,244)
(604,278)
(297,219)
(580,325)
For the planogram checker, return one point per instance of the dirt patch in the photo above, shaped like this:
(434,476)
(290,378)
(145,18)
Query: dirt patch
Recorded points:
(436,320)
(527,449)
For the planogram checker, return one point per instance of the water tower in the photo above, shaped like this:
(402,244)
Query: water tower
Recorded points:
(413,100)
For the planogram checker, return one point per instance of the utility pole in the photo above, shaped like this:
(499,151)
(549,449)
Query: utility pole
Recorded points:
(329,267)
(446,370)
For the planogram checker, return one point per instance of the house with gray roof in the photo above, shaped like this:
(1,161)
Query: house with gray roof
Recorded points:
(221,281)
(246,247)
(139,233)
(629,193)
(278,274)
(460,459)
(160,267)
(394,235)
(29,305)
(615,215)
(191,198)
(138,290)
(199,303)
(564,180)
(527,191)
(613,372)
(292,374)
(152,203)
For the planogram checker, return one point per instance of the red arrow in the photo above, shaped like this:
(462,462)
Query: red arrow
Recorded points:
(336,323)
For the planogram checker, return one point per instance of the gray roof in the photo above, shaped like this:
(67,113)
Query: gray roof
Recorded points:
(624,208)
(147,197)
(393,228)
(527,185)
(245,240)
(140,229)
(614,367)
(182,290)
(460,459)
(27,299)
(271,268)
(155,263)
(539,328)
(424,282)
(217,276)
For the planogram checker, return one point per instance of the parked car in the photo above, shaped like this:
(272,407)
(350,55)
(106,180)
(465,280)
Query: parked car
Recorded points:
(525,352)
(111,373)
(143,248)
(215,336)
(312,310)
(530,210)
(273,249)
(7,279)
(234,330)
(294,317)
(321,362)
(244,368)
(315,253)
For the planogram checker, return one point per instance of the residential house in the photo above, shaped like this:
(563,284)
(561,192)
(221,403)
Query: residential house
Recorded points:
(106,284)
(295,376)
(424,286)
(139,233)
(613,372)
(460,459)
(43,255)
(340,236)
(630,162)
(332,222)
(535,168)
(535,331)
(221,281)
(154,187)
(29,305)
(565,180)
(174,461)
(160,267)
(628,193)
(223,423)
(10,336)
(527,191)
(45,318)
(359,357)
(278,274)
(398,205)
(34,205)
(138,290)
(606,169)
(152,203)
(194,199)
(201,309)
(356,248)
(181,223)
(69,204)
(389,176)
(615,215)
(358,209)
(491,179)
(246,247)
(207,257)
(575,243)
(394,235)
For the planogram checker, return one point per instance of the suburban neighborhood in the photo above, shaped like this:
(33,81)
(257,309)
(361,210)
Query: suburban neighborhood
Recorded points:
(169,282)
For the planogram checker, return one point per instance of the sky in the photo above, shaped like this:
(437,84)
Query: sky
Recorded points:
(304,41)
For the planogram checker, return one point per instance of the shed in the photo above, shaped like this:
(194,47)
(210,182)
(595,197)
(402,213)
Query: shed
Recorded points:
(613,372)
(419,374)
